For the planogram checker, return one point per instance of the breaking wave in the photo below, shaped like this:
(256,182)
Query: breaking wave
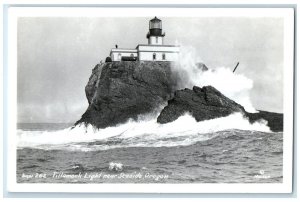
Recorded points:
(145,133)
(233,85)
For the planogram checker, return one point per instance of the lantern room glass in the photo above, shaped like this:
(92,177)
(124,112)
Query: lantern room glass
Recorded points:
(155,24)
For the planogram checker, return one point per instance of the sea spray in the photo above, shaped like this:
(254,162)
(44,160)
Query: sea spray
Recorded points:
(184,131)
(233,85)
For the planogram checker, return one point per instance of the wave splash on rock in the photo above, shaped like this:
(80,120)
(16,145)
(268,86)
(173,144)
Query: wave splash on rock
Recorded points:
(120,91)
(143,133)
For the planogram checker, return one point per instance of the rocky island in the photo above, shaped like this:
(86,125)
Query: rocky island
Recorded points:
(122,90)
(135,82)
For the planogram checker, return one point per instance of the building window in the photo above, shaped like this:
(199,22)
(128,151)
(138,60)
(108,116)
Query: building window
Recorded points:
(163,56)
(119,56)
(156,39)
(154,56)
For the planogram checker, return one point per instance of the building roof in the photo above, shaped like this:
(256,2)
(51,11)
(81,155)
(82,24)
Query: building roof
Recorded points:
(123,50)
(157,45)
(155,20)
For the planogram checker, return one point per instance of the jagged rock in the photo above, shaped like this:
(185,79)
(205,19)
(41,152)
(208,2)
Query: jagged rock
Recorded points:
(202,103)
(208,103)
(275,120)
(92,85)
(117,91)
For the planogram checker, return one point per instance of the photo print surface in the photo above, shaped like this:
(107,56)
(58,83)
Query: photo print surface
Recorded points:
(154,99)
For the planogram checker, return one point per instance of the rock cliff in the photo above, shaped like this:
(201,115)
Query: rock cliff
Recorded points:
(202,103)
(117,91)
(275,120)
(208,103)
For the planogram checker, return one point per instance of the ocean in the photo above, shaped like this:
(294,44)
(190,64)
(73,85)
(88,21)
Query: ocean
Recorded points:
(223,150)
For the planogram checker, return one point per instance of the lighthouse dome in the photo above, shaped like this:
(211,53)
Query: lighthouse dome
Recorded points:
(155,28)
(155,23)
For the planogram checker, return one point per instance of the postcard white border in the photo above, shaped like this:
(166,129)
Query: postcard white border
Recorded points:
(286,13)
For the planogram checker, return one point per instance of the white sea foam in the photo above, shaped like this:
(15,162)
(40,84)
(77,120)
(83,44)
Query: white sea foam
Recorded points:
(236,86)
(148,133)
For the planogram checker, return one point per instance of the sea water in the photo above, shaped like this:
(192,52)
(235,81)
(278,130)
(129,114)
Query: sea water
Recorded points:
(222,150)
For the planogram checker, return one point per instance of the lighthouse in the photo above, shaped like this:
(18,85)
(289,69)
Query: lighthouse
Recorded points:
(155,35)
(155,50)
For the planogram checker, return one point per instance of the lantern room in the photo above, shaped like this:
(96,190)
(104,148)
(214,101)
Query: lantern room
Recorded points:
(155,35)
(155,50)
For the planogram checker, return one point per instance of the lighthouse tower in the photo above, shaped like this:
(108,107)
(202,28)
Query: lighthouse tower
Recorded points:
(155,35)
(155,50)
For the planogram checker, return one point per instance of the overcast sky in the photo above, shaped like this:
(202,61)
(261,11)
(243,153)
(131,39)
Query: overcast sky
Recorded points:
(56,57)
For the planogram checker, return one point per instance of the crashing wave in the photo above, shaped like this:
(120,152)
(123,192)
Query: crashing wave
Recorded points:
(145,133)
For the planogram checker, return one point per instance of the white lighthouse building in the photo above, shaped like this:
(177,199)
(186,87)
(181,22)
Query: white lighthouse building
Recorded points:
(155,50)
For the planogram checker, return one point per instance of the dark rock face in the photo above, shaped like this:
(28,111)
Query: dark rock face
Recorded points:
(208,103)
(92,85)
(202,103)
(117,91)
(275,120)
